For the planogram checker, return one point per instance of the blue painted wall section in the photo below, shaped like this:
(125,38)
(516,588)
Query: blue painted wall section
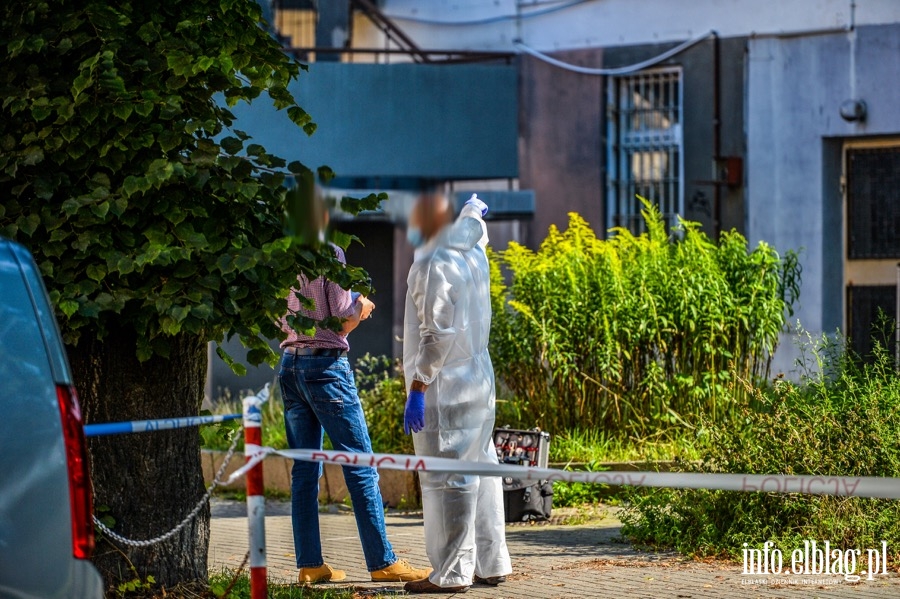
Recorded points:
(438,122)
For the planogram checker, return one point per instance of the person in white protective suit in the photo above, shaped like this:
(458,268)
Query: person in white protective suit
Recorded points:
(450,409)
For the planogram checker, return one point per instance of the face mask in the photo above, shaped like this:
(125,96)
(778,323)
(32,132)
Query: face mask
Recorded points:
(414,236)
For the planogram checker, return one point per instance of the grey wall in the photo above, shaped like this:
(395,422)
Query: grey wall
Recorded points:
(375,253)
(794,137)
(397,120)
(561,153)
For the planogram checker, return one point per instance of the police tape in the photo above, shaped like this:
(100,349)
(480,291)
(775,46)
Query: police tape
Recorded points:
(842,486)
(161,424)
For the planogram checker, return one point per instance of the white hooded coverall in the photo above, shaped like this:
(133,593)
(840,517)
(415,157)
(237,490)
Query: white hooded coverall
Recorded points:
(446,327)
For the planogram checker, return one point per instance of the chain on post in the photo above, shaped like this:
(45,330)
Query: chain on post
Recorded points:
(193,514)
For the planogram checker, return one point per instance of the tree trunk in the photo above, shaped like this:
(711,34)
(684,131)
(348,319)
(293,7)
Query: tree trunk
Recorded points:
(148,482)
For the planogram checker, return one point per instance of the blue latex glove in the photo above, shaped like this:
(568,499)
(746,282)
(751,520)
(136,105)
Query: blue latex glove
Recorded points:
(414,415)
(475,201)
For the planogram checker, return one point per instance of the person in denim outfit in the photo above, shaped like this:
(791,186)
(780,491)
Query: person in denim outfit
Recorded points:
(319,394)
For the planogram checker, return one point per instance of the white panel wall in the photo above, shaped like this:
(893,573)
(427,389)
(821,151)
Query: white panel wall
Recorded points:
(492,25)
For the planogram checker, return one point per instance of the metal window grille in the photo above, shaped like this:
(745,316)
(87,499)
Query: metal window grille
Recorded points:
(645,146)
(870,318)
(873,202)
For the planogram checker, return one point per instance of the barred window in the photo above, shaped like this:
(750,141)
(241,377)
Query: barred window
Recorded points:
(645,146)
(873,202)
(871,312)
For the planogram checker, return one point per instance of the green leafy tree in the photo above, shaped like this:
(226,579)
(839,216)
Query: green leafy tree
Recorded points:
(158,227)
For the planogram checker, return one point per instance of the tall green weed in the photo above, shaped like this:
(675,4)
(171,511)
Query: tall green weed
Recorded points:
(636,334)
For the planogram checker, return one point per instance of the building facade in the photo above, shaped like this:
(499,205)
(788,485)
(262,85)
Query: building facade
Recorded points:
(780,119)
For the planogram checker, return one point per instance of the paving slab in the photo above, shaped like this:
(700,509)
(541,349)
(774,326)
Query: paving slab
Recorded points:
(550,561)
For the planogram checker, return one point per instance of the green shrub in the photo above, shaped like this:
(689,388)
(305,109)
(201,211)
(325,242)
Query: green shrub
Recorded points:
(842,419)
(636,334)
(219,436)
(382,391)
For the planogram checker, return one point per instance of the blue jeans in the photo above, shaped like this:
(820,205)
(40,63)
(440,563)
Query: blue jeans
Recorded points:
(319,394)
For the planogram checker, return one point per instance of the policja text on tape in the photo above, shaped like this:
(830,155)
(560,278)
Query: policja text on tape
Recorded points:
(841,486)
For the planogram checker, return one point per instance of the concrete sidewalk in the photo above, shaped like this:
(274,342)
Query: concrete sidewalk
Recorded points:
(549,561)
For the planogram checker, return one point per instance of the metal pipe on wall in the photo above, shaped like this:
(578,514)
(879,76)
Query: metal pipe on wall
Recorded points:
(897,323)
(717,137)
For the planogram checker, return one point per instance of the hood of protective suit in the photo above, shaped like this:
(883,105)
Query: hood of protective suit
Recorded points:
(471,213)
(468,231)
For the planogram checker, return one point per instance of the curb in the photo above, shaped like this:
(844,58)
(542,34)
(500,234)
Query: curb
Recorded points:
(398,488)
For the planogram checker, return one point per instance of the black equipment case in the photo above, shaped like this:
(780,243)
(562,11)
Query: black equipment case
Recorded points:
(524,500)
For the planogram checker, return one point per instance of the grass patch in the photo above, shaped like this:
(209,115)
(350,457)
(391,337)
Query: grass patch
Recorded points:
(219,436)
(581,515)
(235,584)
(230,494)
(588,450)
(601,446)
(841,419)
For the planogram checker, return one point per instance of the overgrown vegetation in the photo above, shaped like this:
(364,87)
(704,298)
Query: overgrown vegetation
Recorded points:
(219,436)
(588,450)
(634,335)
(586,446)
(382,391)
(841,419)
(619,348)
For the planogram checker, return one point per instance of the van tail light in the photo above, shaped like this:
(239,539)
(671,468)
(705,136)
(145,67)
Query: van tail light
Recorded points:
(80,499)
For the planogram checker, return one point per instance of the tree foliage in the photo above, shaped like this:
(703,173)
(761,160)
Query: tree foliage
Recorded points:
(158,226)
(123,172)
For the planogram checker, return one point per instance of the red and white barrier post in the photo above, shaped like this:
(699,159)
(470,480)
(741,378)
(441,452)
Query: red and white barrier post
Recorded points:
(256,500)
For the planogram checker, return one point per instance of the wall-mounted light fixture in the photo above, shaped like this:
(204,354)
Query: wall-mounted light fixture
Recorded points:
(853,111)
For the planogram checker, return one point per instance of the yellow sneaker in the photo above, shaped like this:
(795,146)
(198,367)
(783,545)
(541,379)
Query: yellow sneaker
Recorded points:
(323,573)
(399,571)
